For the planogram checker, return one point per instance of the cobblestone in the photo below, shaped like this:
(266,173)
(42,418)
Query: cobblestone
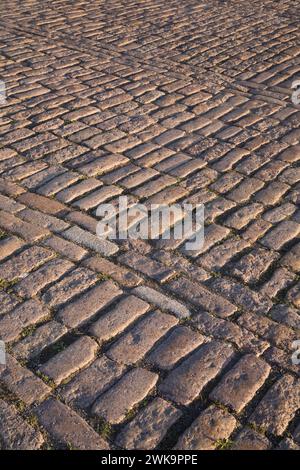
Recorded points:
(67,427)
(116,320)
(202,297)
(88,304)
(249,373)
(248,439)
(212,426)
(186,381)
(23,383)
(65,363)
(24,262)
(181,341)
(43,337)
(277,408)
(123,100)
(77,281)
(16,433)
(130,390)
(149,427)
(139,340)
(28,313)
(91,382)
(48,273)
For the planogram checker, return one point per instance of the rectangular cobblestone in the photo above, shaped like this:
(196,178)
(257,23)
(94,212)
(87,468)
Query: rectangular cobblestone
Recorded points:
(241,383)
(70,360)
(28,313)
(181,341)
(65,248)
(185,383)
(134,344)
(15,432)
(76,190)
(89,304)
(43,337)
(68,427)
(145,265)
(74,283)
(118,273)
(24,262)
(149,427)
(22,382)
(48,273)
(91,382)
(281,234)
(202,297)
(88,240)
(124,395)
(117,319)
(278,406)
(213,426)
(9,245)
(162,301)
(23,229)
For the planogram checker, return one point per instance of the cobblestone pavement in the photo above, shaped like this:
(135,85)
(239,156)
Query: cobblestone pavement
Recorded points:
(142,345)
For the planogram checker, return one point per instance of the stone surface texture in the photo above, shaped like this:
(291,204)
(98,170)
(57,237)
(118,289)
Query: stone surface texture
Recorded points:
(147,344)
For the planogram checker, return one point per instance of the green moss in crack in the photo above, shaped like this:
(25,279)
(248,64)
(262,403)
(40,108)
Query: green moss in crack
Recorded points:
(2,234)
(223,444)
(8,285)
(104,428)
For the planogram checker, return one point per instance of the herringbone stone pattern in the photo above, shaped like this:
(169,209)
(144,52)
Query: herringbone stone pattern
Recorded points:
(143,344)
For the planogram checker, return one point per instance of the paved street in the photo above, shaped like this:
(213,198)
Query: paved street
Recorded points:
(143,344)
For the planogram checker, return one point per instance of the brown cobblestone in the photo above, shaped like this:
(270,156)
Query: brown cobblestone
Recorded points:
(180,342)
(139,340)
(124,395)
(248,439)
(186,382)
(202,297)
(211,427)
(26,230)
(117,319)
(118,273)
(24,315)
(281,234)
(65,248)
(42,203)
(77,281)
(91,382)
(69,361)
(16,433)
(44,336)
(162,115)
(239,385)
(9,245)
(149,427)
(68,427)
(145,265)
(23,383)
(88,304)
(278,407)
